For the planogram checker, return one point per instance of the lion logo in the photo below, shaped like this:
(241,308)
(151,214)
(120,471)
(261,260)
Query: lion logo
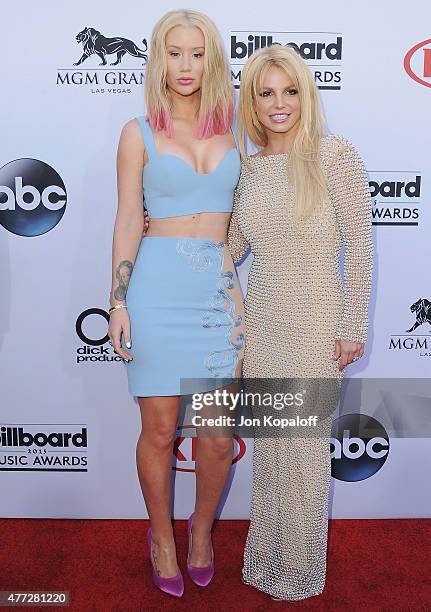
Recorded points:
(422,308)
(95,43)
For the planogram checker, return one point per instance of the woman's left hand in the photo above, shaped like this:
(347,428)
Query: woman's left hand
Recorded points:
(346,351)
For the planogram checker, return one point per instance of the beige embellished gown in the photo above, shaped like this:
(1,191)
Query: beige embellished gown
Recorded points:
(297,304)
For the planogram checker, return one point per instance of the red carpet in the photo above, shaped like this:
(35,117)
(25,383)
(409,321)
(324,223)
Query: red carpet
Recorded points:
(382,565)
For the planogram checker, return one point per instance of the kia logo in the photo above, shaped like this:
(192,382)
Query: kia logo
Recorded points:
(417,63)
(185,448)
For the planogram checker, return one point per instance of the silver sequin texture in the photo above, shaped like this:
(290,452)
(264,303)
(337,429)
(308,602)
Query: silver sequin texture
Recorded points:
(296,306)
(202,256)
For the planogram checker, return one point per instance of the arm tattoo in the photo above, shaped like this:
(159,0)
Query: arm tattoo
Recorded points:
(122,274)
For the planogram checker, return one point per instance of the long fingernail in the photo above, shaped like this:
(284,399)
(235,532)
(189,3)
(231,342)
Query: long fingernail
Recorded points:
(129,344)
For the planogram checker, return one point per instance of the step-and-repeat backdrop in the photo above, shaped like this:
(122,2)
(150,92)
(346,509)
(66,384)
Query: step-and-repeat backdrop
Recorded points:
(68,426)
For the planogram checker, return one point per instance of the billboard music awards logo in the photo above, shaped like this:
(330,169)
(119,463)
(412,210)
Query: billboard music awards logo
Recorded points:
(359,447)
(321,50)
(417,63)
(47,447)
(91,327)
(97,50)
(32,197)
(396,197)
(417,343)
(185,450)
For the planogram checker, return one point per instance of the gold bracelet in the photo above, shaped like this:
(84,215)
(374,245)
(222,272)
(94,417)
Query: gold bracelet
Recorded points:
(116,307)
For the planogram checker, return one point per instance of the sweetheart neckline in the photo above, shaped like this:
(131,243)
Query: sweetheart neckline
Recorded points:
(155,155)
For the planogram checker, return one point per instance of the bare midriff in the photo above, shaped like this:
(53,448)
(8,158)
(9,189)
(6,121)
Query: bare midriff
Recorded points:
(198,225)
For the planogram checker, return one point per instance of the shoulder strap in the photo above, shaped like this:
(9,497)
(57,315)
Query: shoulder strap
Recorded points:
(235,128)
(147,136)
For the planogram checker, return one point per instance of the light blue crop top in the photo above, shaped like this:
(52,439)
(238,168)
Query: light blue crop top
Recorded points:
(172,188)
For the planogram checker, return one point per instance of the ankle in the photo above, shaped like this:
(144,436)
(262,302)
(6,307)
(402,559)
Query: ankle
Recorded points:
(163,543)
(201,531)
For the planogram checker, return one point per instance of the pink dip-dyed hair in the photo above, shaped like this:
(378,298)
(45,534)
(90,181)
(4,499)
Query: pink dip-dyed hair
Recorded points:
(217,94)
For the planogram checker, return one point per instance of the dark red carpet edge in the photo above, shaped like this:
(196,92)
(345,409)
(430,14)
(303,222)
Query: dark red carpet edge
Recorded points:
(378,565)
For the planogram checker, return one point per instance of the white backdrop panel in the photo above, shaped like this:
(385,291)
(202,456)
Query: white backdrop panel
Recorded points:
(56,112)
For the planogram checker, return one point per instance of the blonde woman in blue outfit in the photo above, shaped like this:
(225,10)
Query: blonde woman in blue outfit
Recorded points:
(179,317)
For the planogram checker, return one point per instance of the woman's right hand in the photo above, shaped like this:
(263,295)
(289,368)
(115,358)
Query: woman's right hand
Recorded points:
(119,323)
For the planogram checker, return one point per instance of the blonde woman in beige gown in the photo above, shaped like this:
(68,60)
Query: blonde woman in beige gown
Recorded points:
(298,201)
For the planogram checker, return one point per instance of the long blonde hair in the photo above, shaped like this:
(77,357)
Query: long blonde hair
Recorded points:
(303,167)
(217,93)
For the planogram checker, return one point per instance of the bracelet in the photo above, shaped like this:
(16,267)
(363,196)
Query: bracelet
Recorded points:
(116,307)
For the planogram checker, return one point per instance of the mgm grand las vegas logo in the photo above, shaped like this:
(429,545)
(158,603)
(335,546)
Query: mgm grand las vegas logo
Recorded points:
(417,338)
(321,50)
(396,197)
(118,76)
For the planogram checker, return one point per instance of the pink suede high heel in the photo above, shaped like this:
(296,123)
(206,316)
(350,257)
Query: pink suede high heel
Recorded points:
(201,576)
(173,586)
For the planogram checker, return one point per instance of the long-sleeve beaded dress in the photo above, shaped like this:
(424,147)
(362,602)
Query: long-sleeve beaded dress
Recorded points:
(297,304)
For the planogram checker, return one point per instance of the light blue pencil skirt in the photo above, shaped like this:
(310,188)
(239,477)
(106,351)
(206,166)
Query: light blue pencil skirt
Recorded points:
(185,309)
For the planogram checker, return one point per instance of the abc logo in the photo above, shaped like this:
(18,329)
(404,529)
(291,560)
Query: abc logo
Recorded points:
(359,447)
(32,197)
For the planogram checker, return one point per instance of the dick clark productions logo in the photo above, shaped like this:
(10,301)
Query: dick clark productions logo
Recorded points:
(32,197)
(91,329)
